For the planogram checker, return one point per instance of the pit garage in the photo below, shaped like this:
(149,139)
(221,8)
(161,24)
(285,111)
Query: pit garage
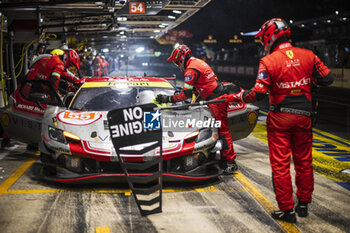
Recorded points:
(188,191)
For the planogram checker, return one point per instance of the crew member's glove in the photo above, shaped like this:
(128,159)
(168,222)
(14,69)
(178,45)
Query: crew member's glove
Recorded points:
(163,98)
(232,98)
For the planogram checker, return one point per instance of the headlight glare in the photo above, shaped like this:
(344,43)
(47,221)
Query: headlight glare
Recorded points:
(71,137)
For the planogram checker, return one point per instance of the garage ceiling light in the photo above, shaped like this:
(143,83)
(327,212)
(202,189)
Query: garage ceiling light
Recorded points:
(171,17)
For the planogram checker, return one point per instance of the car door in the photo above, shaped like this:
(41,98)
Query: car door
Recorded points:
(21,119)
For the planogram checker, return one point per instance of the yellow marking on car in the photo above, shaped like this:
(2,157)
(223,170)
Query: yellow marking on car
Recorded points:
(330,153)
(102,230)
(127,83)
(15,176)
(264,202)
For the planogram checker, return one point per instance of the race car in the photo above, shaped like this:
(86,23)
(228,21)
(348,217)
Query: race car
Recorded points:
(74,138)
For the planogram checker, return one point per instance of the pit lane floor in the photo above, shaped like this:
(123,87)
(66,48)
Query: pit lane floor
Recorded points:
(238,203)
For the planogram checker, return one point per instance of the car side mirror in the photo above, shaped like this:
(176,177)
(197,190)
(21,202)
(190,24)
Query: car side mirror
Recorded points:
(39,97)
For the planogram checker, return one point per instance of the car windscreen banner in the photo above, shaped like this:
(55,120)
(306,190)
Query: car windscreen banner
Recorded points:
(136,134)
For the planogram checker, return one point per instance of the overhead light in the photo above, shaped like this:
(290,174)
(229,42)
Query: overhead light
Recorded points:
(140,49)
(303,25)
(104,36)
(122,28)
(336,12)
(41,20)
(162,26)
(122,33)
(171,17)
(344,18)
(315,23)
(105,50)
(151,37)
(328,21)
(290,21)
(104,25)
(241,33)
(177,12)
(156,31)
(122,19)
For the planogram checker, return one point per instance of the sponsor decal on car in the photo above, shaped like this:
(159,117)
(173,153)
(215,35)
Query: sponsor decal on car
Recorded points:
(252,118)
(78,118)
(126,83)
(5,120)
(236,107)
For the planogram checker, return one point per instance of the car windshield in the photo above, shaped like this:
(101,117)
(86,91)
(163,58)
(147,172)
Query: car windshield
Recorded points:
(108,98)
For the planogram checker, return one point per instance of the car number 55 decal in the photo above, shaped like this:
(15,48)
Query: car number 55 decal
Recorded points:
(78,118)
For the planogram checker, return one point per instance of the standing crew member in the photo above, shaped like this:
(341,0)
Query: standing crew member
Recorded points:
(287,73)
(53,68)
(97,65)
(199,77)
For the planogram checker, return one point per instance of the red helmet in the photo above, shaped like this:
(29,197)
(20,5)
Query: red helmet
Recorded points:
(271,30)
(71,58)
(179,55)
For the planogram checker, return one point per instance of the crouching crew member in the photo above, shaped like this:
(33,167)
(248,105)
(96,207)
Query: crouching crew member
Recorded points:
(53,68)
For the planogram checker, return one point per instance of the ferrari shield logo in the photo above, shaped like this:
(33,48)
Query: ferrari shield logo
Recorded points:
(290,54)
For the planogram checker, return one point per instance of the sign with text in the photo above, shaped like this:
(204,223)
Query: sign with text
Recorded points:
(136,131)
(131,126)
(143,7)
(136,7)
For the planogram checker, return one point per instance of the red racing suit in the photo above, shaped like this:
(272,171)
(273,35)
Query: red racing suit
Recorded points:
(287,74)
(51,69)
(97,65)
(199,77)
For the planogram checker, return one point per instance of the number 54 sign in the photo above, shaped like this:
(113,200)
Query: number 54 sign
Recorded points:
(136,7)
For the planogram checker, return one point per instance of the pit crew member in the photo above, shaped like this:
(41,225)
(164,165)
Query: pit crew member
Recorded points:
(287,74)
(201,79)
(53,68)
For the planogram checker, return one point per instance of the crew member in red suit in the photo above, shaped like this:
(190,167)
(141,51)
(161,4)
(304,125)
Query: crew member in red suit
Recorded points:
(97,64)
(53,68)
(201,79)
(287,74)
(105,65)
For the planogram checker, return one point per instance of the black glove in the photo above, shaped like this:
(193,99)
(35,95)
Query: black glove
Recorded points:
(163,99)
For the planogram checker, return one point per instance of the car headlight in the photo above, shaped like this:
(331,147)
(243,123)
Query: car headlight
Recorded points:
(191,136)
(63,136)
(57,135)
(204,134)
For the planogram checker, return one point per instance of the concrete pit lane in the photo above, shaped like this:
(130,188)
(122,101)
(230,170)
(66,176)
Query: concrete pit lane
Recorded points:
(237,203)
